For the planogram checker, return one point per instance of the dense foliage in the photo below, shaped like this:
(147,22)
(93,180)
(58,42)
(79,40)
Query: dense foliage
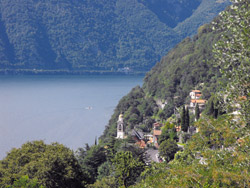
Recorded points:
(185,67)
(90,159)
(127,168)
(26,182)
(217,156)
(94,35)
(48,165)
(167,149)
(232,55)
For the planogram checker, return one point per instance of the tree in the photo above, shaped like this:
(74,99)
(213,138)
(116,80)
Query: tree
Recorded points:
(95,141)
(168,132)
(104,170)
(183,119)
(52,165)
(167,149)
(25,182)
(169,109)
(90,162)
(211,107)
(127,168)
(232,56)
(215,114)
(197,112)
(187,120)
(105,182)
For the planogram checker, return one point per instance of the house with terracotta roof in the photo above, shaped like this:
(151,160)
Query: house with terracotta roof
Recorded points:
(149,138)
(156,134)
(157,125)
(199,102)
(195,94)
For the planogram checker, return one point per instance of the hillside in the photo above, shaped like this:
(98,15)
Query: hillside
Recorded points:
(184,68)
(95,35)
(216,61)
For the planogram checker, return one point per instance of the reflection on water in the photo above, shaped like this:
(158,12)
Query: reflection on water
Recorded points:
(71,110)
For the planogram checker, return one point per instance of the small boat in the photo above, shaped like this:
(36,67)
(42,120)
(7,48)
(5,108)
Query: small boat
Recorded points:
(89,108)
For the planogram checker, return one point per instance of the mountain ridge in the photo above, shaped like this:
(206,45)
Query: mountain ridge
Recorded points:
(88,35)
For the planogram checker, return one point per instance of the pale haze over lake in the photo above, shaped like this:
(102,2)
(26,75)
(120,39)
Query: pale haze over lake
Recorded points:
(71,110)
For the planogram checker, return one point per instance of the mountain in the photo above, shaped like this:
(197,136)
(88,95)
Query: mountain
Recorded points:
(93,35)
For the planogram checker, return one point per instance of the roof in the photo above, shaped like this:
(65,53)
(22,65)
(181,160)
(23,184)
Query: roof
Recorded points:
(196,91)
(138,134)
(141,144)
(198,95)
(242,98)
(199,101)
(157,124)
(157,132)
(178,128)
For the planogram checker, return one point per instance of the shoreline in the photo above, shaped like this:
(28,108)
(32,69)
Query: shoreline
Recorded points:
(66,72)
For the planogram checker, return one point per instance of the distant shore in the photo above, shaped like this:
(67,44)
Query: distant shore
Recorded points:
(66,72)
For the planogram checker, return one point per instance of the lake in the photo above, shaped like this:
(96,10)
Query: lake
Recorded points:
(71,110)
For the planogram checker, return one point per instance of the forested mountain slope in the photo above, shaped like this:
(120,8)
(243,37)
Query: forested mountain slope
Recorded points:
(186,67)
(96,35)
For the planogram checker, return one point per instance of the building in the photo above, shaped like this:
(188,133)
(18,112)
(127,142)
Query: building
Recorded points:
(199,102)
(156,134)
(178,128)
(195,94)
(157,125)
(120,127)
(139,138)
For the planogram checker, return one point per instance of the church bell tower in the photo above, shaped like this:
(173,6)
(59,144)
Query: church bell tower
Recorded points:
(120,127)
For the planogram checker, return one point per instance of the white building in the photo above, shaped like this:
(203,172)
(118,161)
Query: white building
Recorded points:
(195,94)
(120,127)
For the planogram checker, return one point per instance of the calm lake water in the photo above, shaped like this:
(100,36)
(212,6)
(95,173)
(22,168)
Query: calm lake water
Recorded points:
(71,110)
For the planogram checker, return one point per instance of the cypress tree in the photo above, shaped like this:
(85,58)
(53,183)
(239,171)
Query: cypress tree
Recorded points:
(215,114)
(197,112)
(95,141)
(216,110)
(187,120)
(211,108)
(183,119)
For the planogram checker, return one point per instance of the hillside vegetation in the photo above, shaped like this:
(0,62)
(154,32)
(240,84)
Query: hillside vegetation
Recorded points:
(186,67)
(216,60)
(215,155)
(95,35)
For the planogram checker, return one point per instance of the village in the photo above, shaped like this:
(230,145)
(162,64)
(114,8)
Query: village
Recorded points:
(150,140)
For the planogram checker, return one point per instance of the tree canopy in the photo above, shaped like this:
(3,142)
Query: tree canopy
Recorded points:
(232,55)
(51,165)
(127,168)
